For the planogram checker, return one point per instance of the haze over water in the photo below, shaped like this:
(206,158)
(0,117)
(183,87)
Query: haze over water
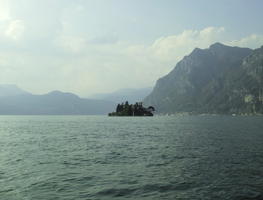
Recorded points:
(97,157)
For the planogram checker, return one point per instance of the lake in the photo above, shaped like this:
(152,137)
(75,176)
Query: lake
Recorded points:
(161,157)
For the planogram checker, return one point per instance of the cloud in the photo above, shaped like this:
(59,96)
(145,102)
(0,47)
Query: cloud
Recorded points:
(15,30)
(71,44)
(4,10)
(58,49)
(106,39)
(170,49)
(174,47)
(163,54)
(252,41)
(112,64)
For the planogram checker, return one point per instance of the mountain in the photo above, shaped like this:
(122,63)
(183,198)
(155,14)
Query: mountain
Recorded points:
(53,103)
(220,79)
(10,90)
(128,94)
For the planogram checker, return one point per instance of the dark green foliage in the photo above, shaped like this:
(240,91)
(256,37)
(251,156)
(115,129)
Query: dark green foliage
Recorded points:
(132,110)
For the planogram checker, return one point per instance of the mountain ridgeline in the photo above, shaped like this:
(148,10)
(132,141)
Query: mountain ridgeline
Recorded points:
(15,102)
(126,94)
(217,80)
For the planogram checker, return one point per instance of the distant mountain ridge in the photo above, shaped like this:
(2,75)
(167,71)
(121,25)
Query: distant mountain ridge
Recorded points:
(126,94)
(53,103)
(11,90)
(220,79)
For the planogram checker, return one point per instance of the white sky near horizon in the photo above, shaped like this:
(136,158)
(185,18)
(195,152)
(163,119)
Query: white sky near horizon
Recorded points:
(99,46)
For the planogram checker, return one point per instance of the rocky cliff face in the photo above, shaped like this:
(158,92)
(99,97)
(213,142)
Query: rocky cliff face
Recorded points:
(220,79)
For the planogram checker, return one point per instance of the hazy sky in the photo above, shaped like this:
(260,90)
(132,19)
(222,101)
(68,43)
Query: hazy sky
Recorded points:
(94,46)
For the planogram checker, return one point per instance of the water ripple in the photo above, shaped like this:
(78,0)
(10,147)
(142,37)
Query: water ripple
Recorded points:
(92,157)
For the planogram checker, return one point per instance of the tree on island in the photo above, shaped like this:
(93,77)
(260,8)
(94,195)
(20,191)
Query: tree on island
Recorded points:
(137,109)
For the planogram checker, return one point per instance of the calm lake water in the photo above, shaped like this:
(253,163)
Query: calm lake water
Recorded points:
(98,157)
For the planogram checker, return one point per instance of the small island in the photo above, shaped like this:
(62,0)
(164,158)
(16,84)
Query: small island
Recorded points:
(137,109)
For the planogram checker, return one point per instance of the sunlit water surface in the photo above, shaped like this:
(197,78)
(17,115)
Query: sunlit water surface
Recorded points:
(98,157)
